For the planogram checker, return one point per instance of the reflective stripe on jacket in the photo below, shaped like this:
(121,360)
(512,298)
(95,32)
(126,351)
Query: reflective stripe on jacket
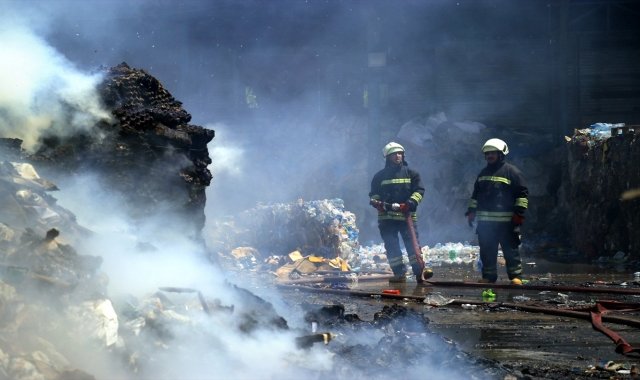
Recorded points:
(396,184)
(498,192)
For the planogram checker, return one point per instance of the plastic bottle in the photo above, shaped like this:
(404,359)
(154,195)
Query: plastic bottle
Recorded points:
(452,255)
(478,265)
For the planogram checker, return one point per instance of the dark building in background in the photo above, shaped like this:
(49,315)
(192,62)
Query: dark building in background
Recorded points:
(533,66)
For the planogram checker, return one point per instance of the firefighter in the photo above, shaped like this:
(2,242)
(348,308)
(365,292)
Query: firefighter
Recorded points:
(395,191)
(498,203)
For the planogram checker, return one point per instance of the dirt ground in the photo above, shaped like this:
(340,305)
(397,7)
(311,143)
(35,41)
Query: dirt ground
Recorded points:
(526,344)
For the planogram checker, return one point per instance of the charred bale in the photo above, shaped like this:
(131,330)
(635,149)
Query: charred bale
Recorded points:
(148,153)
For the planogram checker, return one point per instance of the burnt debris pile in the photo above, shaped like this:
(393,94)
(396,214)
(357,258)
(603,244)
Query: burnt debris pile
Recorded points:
(601,190)
(56,313)
(148,152)
(397,340)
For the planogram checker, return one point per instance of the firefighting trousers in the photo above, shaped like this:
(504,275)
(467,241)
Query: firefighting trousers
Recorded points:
(490,235)
(389,231)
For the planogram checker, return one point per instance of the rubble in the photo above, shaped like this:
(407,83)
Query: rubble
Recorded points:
(54,300)
(396,340)
(30,225)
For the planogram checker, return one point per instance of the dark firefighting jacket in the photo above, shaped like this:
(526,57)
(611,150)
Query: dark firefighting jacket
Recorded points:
(498,193)
(396,184)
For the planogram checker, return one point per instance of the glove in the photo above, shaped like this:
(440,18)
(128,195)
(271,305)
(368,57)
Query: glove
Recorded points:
(411,205)
(517,219)
(471,217)
(404,208)
(377,204)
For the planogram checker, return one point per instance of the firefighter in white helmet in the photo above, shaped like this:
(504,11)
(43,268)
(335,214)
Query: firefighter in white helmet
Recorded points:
(498,204)
(395,191)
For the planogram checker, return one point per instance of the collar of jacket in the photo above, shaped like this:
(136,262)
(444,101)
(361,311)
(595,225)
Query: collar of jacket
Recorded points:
(496,165)
(390,164)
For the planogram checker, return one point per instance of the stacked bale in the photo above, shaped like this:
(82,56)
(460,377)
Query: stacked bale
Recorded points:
(600,170)
(148,153)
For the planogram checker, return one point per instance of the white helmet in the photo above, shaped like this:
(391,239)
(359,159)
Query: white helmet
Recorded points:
(392,147)
(495,145)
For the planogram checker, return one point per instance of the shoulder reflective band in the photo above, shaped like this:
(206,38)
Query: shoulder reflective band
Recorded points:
(495,179)
(473,203)
(522,202)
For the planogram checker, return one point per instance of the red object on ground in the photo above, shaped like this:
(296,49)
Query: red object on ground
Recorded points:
(391,291)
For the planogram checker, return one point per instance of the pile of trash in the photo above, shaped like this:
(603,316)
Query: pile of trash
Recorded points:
(313,237)
(269,232)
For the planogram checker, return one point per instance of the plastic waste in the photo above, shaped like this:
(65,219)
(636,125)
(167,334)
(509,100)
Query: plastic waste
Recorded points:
(477,265)
(452,255)
(436,299)
(603,130)
(488,295)
(521,298)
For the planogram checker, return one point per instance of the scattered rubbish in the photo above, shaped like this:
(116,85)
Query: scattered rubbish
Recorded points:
(308,340)
(602,130)
(467,306)
(436,299)
(488,295)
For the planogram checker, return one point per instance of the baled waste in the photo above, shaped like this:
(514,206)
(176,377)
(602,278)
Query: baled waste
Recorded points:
(597,194)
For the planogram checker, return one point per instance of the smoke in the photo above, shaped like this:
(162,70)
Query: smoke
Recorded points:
(229,156)
(41,92)
(284,84)
(138,263)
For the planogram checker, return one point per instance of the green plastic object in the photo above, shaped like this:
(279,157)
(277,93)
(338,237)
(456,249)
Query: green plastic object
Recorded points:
(488,295)
(452,255)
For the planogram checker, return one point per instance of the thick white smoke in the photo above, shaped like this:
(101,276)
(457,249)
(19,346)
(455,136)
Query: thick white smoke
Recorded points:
(40,90)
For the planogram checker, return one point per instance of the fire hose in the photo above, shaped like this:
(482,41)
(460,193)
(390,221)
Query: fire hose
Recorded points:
(559,288)
(425,273)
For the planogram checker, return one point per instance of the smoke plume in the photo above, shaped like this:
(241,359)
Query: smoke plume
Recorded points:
(42,93)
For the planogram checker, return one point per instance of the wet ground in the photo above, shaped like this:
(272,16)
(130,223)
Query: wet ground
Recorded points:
(529,344)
